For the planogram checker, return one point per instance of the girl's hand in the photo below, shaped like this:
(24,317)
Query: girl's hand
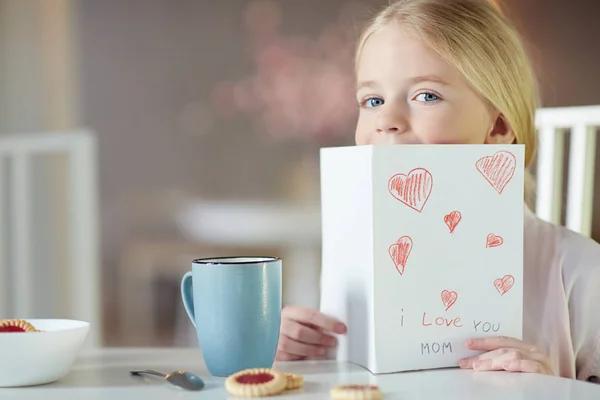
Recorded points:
(304,333)
(505,353)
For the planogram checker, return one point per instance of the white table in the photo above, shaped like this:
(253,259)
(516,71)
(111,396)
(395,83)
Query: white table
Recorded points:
(103,374)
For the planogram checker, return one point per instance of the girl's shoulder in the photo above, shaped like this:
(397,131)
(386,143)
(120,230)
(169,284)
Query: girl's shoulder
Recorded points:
(567,266)
(574,252)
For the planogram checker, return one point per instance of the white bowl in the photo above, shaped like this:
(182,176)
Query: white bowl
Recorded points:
(36,358)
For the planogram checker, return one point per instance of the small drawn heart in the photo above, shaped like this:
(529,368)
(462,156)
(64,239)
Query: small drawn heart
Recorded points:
(449,298)
(412,189)
(498,169)
(452,219)
(504,284)
(400,251)
(494,240)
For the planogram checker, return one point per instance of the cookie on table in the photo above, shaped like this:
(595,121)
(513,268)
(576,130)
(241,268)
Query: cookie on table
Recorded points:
(256,382)
(294,381)
(356,392)
(16,325)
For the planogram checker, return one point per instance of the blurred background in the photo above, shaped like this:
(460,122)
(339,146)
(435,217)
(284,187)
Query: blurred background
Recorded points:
(195,126)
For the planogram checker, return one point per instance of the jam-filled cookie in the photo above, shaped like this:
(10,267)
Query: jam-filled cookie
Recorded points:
(356,392)
(294,381)
(16,325)
(256,382)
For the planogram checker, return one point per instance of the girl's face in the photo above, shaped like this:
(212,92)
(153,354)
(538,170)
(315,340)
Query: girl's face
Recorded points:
(408,93)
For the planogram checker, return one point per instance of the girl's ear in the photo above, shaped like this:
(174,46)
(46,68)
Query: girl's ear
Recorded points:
(501,132)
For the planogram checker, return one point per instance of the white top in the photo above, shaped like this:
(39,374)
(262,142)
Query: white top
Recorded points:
(104,375)
(562,297)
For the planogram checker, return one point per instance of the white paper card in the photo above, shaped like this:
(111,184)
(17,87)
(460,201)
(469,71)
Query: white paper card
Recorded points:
(422,249)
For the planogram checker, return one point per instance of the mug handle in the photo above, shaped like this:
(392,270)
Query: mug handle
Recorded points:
(187,296)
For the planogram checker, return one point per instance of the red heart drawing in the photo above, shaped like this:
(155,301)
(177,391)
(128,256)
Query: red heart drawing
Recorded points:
(504,284)
(449,298)
(494,241)
(400,251)
(412,189)
(498,169)
(452,219)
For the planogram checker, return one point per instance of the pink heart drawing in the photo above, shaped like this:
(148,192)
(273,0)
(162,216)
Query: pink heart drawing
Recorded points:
(412,189)
(452,219)
(504,284)
(498,169)
(449,298)
(400,251)
(494,240)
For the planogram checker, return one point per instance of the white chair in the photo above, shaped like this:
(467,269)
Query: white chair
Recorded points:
(552,123)
(17,272)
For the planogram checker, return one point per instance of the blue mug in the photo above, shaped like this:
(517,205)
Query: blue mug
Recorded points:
(235,305)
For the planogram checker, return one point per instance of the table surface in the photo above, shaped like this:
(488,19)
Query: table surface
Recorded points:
(103,374)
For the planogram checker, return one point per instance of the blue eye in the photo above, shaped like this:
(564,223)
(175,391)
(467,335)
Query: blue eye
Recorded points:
(427,97)
(374,102)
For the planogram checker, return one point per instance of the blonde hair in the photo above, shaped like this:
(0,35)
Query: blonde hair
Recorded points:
(476,38)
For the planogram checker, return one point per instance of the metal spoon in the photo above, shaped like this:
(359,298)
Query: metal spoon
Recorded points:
(182,379)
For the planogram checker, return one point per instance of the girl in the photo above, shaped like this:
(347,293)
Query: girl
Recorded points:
(455,71)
